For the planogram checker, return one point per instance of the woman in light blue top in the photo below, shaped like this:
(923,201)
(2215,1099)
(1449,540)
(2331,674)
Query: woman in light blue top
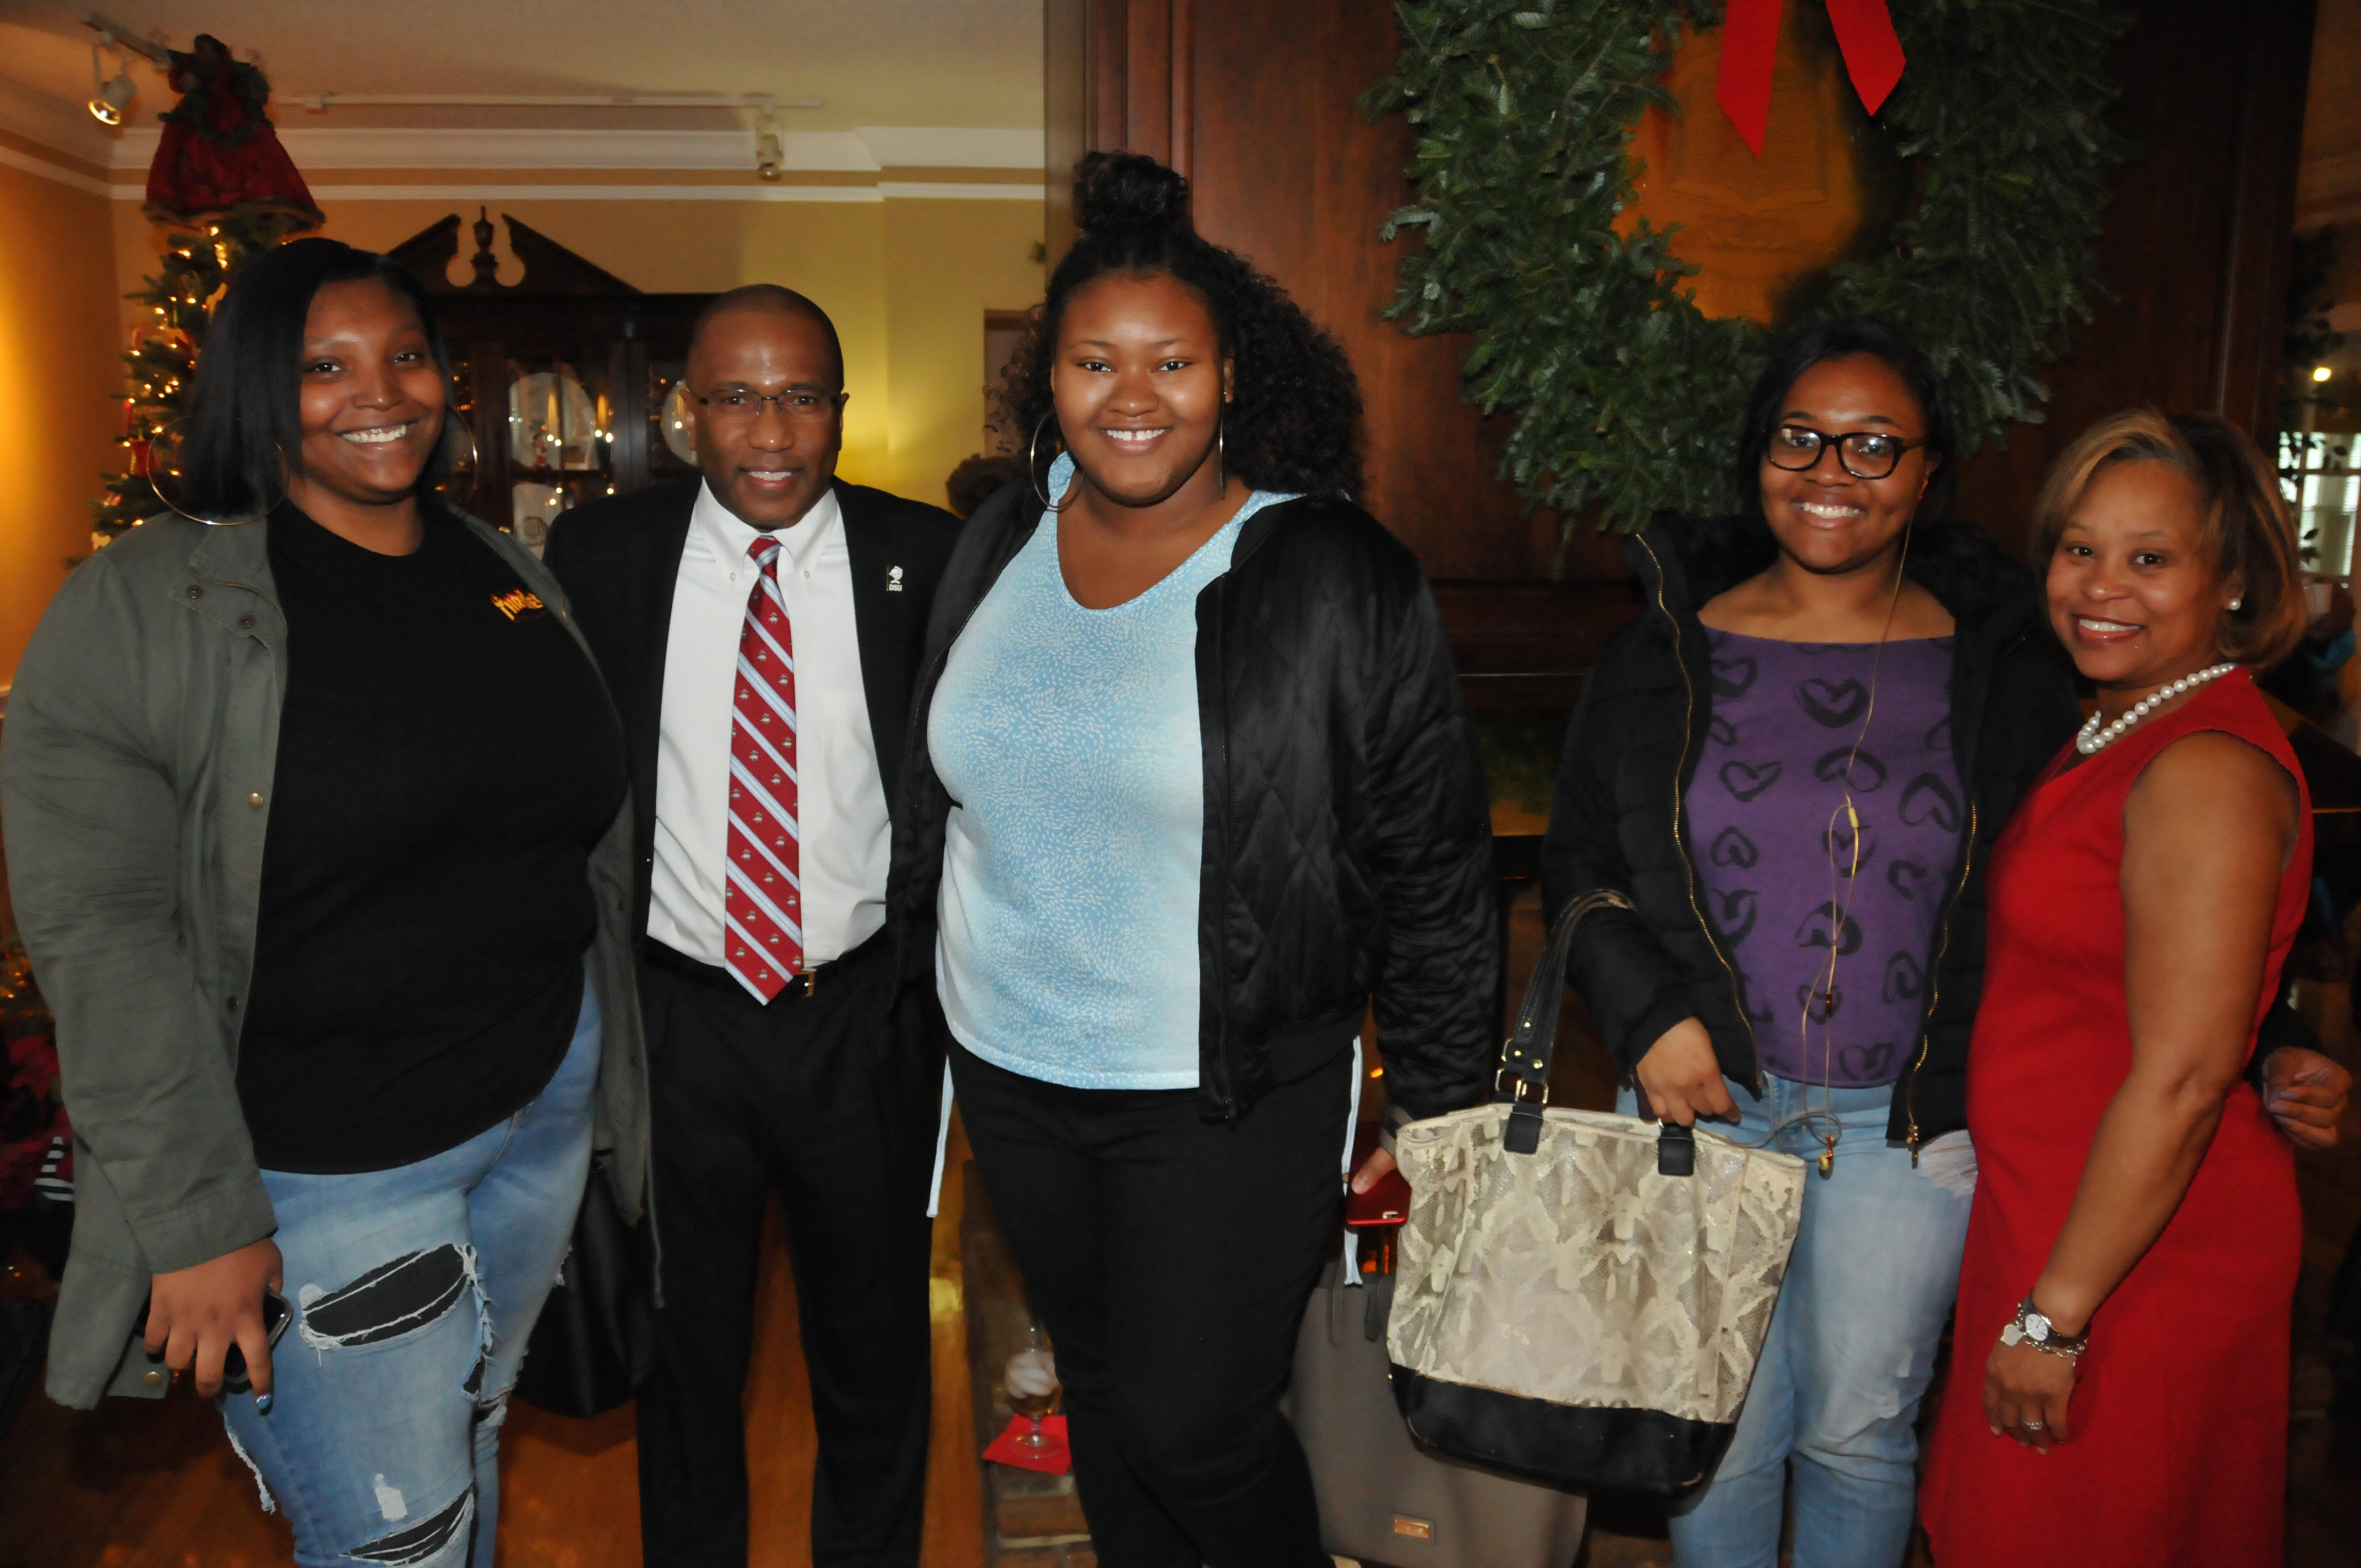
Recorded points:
(1197,792)
(1069,736)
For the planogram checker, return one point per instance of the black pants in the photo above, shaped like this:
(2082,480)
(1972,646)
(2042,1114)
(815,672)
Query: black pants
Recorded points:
(830,1102)
(1170,1258)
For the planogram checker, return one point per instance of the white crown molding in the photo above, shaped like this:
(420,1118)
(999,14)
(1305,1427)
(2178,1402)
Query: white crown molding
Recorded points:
(956,190)
(871,150)
(315,148)
(884,191)
(952,147)
(325,193)
(10,158)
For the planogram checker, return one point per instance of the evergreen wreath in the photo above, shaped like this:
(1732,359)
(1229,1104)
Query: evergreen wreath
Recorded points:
(1623,394)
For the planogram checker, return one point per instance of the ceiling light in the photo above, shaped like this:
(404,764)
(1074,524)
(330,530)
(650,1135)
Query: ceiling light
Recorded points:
(110,98)
(2322,373)
(770,147)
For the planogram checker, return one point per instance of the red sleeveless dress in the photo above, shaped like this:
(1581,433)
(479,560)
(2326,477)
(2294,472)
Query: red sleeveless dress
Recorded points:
(2178,1452)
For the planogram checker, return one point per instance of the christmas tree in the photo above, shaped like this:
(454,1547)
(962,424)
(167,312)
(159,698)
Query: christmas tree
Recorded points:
(161,361)
(227,192)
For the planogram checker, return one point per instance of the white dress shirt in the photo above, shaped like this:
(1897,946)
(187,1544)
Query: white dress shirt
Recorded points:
(840,799)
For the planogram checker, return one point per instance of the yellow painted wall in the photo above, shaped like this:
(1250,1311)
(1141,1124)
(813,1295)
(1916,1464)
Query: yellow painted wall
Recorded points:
(60,387)
(905,281)
(947,262)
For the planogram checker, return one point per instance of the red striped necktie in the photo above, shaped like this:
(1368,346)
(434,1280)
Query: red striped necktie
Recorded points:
(762,918)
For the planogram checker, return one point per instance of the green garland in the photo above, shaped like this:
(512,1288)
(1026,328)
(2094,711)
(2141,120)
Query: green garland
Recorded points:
(1622,395)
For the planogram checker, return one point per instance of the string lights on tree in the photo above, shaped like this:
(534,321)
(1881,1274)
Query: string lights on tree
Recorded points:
(226,192)
(161,362)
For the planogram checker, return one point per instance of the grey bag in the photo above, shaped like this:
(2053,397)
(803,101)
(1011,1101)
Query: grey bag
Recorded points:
(1382,1499)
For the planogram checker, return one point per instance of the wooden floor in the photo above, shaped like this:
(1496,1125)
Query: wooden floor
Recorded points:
(136,1485)
(154,1486)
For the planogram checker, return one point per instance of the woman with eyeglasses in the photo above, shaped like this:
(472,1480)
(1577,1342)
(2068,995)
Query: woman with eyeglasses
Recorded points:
(319,839)
(1794,765)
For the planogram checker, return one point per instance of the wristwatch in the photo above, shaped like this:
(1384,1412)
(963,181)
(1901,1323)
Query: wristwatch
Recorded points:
(2032,1327)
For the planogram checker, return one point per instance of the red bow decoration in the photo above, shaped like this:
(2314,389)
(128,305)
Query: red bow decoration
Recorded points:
(1750,43)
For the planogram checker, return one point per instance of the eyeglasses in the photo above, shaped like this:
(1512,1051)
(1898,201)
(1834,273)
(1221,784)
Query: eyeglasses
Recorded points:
(1865,453)
(736,405)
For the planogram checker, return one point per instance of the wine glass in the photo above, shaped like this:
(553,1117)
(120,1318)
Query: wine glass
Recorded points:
(1032,1385)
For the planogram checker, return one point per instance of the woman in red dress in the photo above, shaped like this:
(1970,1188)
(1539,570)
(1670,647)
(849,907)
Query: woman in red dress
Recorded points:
(2131,1260)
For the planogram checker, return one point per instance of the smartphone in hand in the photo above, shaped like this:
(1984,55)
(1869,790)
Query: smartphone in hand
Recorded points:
(140,1376)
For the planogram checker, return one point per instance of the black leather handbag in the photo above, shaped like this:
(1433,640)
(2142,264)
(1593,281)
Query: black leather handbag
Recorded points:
(595,1341)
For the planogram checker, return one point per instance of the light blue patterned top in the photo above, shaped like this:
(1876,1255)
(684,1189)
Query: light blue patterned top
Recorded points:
(1069,740)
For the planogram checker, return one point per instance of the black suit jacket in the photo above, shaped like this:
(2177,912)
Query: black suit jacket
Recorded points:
(617,558)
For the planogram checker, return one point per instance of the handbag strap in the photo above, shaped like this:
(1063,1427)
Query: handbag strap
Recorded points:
(1523,1076)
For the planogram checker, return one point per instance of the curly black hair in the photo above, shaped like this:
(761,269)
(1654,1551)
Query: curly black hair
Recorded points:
(1295,423)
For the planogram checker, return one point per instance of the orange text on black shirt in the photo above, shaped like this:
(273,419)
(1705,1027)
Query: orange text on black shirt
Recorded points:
(519,604)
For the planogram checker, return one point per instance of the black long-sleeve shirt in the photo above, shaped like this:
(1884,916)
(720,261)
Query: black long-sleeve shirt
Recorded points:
(446,761)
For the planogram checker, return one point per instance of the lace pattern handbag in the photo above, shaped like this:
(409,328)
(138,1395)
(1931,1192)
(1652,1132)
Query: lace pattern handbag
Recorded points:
(1580,1298)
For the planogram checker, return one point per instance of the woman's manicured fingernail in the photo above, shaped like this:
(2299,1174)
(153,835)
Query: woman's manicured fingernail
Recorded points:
(262,1404)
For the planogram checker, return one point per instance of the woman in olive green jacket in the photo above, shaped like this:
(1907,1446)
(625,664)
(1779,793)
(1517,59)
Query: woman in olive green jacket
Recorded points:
(319,841)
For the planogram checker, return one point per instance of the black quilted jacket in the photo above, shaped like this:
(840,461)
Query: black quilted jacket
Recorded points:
(1631,750)
(1347,836)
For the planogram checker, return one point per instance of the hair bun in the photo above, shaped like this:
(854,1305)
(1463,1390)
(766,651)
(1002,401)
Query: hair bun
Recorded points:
(1117,192)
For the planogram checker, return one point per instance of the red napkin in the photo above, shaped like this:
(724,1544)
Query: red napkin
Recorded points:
(1053,1459)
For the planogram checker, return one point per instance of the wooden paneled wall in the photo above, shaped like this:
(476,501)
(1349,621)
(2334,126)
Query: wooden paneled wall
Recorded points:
(2196,243)
(1254,100)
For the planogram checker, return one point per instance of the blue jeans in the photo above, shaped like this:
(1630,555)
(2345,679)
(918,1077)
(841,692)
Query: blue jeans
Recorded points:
(416,1289)
(1849,1351)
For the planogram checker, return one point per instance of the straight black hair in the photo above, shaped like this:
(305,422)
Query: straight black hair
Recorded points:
(245,432)
(1824,341)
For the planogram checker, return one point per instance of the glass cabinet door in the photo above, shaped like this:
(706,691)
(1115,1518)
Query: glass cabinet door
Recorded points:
(569,399)
(672,439)
(561,419)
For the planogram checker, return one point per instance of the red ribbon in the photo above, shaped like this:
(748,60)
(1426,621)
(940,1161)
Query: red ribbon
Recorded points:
(1750,45)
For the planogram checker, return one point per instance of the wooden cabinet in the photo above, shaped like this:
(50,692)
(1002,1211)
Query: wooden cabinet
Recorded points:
(567,378)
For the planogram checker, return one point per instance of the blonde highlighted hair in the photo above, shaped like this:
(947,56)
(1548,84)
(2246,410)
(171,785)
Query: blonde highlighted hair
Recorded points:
(2245,523)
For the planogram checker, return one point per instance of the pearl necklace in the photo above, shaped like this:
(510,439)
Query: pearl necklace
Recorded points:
(2093,740)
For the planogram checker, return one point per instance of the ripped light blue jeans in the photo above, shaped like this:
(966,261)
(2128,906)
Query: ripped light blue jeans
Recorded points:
(1850,1352)
(416,1289)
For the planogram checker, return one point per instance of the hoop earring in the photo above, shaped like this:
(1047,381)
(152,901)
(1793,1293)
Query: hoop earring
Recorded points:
(1033,464)
(165,479)
(459,448)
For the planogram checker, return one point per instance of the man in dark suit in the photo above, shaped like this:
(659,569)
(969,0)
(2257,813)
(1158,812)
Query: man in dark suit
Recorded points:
(761,629)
